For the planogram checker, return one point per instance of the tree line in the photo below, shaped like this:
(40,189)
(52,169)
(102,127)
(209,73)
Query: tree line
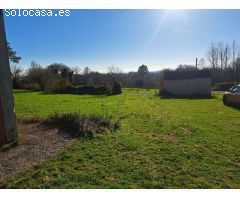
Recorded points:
(222,59)
(37,77)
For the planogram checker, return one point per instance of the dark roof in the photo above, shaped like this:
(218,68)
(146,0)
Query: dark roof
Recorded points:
(192,74)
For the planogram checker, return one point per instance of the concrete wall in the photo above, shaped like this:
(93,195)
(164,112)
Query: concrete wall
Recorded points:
(8,118)
(189,87)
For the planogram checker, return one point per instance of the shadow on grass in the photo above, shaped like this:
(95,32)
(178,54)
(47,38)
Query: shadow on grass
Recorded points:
(234,106)
(46,93)
(164,94)
(23,91)
(187,97)
(92,95)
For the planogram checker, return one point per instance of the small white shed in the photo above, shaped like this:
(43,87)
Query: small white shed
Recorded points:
(187,83)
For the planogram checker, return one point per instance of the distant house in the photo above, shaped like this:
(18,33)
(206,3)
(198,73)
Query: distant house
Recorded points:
(187,83)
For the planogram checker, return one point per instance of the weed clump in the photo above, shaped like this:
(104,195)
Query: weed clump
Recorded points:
(78,125)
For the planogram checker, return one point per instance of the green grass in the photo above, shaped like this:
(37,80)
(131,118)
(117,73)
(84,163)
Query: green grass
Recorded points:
(163,143)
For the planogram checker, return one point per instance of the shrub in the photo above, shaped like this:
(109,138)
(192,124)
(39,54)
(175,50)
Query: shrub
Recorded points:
(30,86)
(223,86)
(59,85)
(117,88)
(78,125)
(100,90)
(42,76)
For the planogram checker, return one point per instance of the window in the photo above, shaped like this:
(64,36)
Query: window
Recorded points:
(235,89)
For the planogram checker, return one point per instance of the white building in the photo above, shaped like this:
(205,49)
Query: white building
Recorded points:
(187,83)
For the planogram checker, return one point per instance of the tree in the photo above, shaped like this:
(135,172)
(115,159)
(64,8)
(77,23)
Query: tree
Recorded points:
(41,76)
(16,71)
(224,54)
(61,70)
(143,69)
(94,78)
(221,54)
(13,54)
(237,69)
(76,70)
(202,63)
(114,73)
(117,88)
(222,58)
(185,67)
(16,75)
(227,55)
(141,79)
(213,56)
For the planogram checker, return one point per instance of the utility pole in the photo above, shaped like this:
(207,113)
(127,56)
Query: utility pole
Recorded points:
(196,63)
(8,130)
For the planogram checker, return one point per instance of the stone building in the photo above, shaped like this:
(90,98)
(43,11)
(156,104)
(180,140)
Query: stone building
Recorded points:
(187,83)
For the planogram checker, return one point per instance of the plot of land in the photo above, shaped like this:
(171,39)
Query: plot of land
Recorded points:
(163,143)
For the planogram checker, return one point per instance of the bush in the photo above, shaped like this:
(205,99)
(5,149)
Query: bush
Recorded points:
(100,90)
(81,125)
(42,76)
(30,86)
(59,85)
(223,86)
(117,88)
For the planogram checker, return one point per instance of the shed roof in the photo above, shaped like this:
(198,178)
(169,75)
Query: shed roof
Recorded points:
(191,74)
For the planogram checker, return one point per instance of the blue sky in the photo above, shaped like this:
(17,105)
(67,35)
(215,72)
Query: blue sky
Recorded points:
(124,38)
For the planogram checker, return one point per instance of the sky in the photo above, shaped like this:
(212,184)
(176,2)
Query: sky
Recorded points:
(123,38)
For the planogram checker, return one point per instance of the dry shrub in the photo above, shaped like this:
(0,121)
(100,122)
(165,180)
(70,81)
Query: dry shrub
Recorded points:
(78,125)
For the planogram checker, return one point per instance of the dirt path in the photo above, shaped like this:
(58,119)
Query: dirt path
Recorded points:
(37,143)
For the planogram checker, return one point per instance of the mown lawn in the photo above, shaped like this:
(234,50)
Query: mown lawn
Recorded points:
(163,143)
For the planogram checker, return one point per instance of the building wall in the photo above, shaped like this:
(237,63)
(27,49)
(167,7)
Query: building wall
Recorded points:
(188,87)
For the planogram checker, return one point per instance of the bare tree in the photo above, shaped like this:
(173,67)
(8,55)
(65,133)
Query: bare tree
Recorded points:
(222,58)
(236,61)
(221,54)
(76,70)
(202,63)
(227,55)
(233,53)
(224,54)
(213,56)
(114,73)
(237,70)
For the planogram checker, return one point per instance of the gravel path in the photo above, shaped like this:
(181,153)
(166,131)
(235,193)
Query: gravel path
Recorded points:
(37,143)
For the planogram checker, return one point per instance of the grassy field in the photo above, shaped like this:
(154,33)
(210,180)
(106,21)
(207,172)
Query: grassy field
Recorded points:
(163,143)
